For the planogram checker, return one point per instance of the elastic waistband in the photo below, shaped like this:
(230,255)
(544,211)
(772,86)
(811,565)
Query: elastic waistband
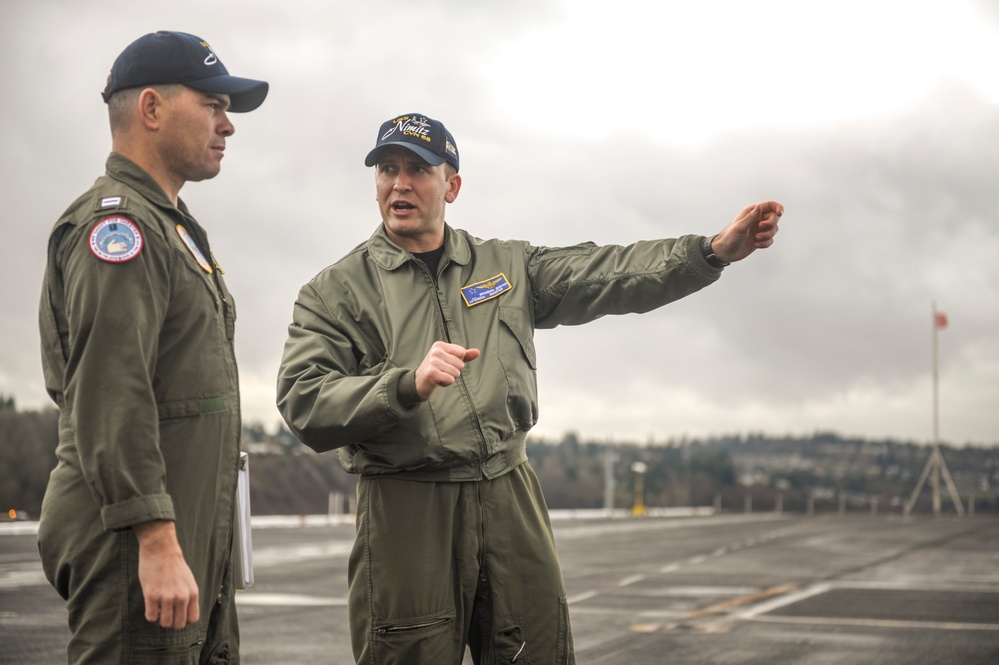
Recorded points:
(493,466)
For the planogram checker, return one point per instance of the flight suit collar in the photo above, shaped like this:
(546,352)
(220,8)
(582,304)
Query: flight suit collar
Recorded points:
(131,174)
(390,256)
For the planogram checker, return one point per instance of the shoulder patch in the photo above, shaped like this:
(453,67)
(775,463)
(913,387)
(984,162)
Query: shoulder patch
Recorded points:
(116,239)
(485,290)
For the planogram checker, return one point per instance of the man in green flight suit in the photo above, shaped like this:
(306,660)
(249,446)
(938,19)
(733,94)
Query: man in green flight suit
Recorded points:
(414,357)
(137,331)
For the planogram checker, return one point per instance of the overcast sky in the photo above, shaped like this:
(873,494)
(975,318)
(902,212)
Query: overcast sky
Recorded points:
(876,124)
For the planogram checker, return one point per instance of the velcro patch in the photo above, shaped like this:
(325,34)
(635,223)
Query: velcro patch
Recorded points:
(485,290)
(115,239)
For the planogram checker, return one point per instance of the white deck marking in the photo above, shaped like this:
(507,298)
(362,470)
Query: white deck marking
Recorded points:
(287,600)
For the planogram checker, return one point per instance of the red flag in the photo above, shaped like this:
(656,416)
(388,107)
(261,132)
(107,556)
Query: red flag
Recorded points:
(940,320)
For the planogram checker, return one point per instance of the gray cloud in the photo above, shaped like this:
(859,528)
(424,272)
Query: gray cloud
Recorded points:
(830,329)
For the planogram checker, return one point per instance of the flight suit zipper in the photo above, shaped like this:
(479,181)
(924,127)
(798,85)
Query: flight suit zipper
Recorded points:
(447,336)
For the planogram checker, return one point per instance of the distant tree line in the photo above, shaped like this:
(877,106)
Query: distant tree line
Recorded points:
(731,471)
(27,455)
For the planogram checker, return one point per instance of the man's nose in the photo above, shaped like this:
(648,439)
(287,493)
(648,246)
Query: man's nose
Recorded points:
(401,182)
(226,128)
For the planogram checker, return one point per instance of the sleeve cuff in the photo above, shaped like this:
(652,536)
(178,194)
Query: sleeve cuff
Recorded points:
(123,514)
(408,397)
(691,248)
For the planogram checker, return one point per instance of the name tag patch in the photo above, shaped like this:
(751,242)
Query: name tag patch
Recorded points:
(485,290)
(193,247)
(115,239)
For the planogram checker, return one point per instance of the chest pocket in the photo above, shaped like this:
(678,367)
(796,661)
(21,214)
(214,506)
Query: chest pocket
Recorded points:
(519,362)
(516,321)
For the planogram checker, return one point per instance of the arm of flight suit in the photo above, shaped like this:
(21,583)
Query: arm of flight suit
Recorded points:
(319,371)
(574,285)
(114,314)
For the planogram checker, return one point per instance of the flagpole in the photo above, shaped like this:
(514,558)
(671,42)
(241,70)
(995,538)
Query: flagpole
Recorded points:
(935,478)
(935,465)
(936,377)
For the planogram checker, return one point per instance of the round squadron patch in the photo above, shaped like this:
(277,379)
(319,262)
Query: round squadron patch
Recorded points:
(193,247)
(115,239)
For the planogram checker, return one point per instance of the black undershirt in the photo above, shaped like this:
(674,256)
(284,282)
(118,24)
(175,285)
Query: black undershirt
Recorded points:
(431,259)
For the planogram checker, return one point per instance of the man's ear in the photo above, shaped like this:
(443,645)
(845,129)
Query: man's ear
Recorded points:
(453,186)
(150,108)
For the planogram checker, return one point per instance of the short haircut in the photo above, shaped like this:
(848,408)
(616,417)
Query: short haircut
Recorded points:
(122,102)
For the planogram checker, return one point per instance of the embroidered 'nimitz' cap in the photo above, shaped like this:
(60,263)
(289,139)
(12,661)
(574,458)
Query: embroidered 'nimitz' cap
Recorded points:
(425,136)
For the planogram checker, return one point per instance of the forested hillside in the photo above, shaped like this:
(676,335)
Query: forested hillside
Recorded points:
(731,472)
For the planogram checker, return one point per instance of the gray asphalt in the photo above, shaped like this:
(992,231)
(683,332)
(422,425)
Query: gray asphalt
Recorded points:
(747,589)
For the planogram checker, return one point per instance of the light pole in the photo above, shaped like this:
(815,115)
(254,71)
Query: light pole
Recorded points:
(639,469)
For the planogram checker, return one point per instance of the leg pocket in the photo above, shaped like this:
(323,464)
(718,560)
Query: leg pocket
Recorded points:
(420,640)
(511,646)
(510,642)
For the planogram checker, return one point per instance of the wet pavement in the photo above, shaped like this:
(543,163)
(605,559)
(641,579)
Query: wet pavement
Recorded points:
(747,589)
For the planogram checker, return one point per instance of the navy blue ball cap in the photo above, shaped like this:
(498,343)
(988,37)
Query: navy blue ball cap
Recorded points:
(176,57)
(426,137)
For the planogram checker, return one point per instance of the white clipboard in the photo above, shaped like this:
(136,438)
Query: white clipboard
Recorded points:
(242,546)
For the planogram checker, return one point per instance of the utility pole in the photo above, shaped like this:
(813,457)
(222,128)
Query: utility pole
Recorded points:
(935,465)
